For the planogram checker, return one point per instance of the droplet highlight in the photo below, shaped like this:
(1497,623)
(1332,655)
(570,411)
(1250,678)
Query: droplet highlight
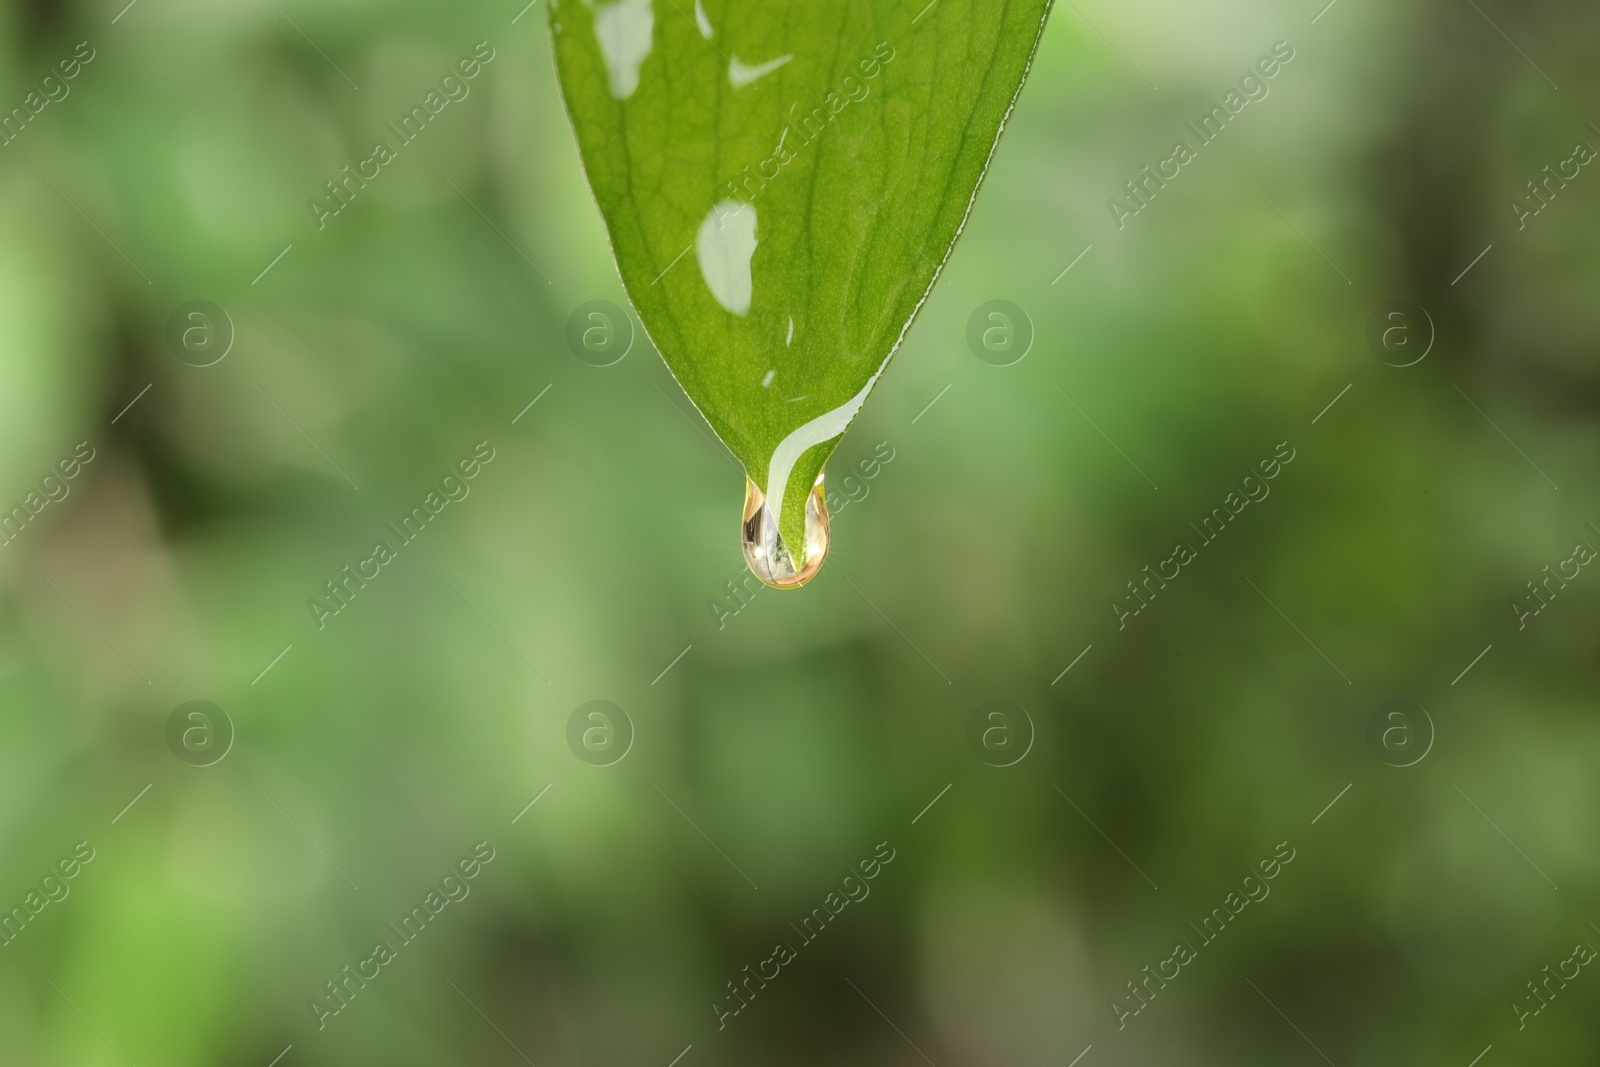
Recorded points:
(765,551)
(742,74)
(623,30)
(723,247)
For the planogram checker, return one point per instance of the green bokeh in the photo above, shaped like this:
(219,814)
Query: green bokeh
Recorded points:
(794,732)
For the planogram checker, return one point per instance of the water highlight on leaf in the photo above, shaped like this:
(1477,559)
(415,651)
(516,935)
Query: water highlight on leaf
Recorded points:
(819,158)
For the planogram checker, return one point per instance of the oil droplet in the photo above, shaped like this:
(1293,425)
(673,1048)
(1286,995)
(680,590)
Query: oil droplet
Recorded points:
(764,548)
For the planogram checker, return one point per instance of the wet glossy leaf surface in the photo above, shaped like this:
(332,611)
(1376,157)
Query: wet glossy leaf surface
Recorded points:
(782,183)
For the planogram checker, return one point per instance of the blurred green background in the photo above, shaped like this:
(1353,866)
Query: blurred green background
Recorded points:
(788,739)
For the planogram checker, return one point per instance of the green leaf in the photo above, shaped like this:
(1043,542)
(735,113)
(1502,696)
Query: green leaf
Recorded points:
(782,181)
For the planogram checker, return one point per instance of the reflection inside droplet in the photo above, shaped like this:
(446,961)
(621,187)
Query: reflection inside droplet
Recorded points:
(764,548)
